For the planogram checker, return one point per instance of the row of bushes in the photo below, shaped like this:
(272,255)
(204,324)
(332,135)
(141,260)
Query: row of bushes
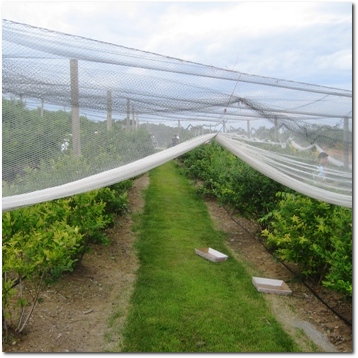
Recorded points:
(313,234)
(43,241)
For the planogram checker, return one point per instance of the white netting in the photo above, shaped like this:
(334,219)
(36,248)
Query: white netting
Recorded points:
(79,114)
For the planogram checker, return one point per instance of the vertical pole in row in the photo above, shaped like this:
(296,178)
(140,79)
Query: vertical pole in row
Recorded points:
(133,126)
(136,120)
(109,110)
(276,129)
(75,108)
(128,114)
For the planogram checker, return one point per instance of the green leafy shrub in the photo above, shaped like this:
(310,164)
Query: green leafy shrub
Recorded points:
(116,198)
(251,193)
(88,213)
(42,241)
(315,235)
(36,249)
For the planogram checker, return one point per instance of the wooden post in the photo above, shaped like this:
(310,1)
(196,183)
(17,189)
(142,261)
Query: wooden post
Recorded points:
(136,120)
(109,110)
(75,108)
(133,120)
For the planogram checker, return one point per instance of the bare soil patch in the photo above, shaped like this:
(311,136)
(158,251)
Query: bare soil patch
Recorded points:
(79,312)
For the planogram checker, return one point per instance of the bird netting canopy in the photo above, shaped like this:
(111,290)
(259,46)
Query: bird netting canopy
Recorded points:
(79,114)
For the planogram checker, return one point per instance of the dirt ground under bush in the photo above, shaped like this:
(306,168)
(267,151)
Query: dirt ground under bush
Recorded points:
(80,312)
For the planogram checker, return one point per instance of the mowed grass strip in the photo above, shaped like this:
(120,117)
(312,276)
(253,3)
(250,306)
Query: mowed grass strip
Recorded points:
(183,302)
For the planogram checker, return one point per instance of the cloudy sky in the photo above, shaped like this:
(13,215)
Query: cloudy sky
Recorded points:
(301,41)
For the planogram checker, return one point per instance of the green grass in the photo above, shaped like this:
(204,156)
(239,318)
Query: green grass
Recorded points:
(182,302)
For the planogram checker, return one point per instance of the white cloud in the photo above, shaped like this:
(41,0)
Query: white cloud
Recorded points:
(291,40)
(230,20)
(341,60)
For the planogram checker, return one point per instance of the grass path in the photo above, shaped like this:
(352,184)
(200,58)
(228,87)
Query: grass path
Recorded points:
(182,302)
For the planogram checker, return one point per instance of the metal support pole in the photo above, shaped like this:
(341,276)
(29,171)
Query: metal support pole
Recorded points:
(136,120)
(276,129)
(133,126)
(109,110)
(128,114)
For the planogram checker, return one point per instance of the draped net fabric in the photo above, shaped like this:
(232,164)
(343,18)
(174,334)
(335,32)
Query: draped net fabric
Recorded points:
(80,114)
